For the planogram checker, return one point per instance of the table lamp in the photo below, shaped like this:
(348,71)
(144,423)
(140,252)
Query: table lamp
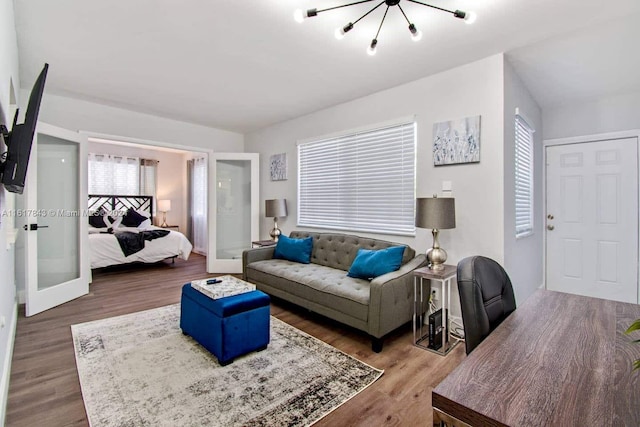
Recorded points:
(436,213)
(275,208)
(164,206)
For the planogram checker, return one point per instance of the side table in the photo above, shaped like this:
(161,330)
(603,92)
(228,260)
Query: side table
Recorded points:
(262,243)
(420,336)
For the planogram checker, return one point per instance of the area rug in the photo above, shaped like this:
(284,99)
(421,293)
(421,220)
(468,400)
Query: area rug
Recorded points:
(139,370)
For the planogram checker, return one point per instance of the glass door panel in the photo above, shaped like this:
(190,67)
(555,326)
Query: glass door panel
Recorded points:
(58,224)
(236,210)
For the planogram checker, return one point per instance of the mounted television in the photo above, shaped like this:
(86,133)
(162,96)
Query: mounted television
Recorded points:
(13,165)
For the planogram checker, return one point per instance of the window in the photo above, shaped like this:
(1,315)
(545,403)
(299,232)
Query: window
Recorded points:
(115,175)
(523,177)
(363,181)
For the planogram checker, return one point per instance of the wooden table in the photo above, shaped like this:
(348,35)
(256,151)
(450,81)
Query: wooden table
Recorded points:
(558,360)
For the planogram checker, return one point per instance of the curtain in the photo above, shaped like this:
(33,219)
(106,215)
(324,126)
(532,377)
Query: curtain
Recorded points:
(115,175)
(149,181)
(197,171)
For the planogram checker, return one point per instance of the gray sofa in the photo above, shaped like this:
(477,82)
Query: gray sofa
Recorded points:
(377,307)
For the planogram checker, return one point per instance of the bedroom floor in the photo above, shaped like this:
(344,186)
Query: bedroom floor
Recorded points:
(44,387)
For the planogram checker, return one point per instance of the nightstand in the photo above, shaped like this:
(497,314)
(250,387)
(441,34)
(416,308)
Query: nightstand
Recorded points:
(420,336)
(172,227)
(262,243)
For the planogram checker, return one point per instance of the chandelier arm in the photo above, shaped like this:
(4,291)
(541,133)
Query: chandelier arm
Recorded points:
(432,6)
(374,8)
(381,22)
(404,14)
(344,5)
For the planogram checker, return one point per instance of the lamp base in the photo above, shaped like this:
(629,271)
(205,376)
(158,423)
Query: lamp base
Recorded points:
(436,256)
(276,232)
(164,220)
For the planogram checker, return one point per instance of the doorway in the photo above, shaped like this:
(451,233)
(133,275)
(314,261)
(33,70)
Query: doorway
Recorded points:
(591,224)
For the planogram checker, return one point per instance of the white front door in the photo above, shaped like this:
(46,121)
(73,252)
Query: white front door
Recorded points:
(55,192)
(592,219)
(235,215)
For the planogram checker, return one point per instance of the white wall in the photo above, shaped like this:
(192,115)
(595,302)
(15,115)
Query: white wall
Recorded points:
(172,176)
(610,114)
(522,257)
(469,90)
(8,305)
(80,115)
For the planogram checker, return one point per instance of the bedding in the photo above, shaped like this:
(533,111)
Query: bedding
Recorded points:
(105,249)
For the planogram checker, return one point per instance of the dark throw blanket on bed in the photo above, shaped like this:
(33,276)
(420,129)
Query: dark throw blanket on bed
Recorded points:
(130,243)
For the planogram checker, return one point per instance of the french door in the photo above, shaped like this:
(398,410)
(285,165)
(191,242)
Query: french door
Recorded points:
(234,217)
(55,223)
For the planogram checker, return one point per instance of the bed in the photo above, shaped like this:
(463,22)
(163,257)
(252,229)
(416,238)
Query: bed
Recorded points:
(121,232)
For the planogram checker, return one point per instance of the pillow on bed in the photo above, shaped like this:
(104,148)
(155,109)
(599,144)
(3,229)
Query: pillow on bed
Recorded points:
(133,219)
(97,219)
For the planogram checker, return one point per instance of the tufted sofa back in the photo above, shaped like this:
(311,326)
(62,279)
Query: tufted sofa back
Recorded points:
(339,250)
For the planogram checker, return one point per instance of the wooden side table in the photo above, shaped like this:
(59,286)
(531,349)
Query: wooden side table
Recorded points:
(172,227)
(420,336)
(262,243)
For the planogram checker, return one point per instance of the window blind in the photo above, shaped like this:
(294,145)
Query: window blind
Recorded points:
(363,181)
(523,177)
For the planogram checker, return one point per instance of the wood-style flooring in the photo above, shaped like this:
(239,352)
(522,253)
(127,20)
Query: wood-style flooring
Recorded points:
(44,389)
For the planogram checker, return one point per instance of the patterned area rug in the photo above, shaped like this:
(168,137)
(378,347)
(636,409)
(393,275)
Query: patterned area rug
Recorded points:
(139,370)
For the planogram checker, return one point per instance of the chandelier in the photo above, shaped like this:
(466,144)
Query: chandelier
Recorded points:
(300,15)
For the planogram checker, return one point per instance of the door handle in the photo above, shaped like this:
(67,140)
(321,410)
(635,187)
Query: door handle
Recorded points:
(550,227)
(550,216)
(34,227)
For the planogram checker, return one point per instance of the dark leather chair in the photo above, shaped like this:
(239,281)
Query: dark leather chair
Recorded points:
(486,298)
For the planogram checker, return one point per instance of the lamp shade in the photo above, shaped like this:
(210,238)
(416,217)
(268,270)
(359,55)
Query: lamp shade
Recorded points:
(164,205)
(275,208)
(435,212)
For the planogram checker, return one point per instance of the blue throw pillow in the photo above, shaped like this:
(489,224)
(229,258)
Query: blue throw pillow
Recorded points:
(369,264)
(297,250)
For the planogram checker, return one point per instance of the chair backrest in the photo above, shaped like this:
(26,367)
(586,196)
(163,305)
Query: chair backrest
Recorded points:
(486,298)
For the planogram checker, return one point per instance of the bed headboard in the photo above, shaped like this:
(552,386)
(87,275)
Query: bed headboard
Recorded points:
(120,203)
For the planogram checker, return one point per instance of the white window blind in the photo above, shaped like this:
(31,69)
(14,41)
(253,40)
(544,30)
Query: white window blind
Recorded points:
(361,182)
(523,177)
(113,175)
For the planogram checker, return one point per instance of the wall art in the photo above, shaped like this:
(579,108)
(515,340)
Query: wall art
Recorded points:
(456,141)
(278,167)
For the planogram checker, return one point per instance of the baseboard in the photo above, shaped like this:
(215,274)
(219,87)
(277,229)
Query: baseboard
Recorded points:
(6,368)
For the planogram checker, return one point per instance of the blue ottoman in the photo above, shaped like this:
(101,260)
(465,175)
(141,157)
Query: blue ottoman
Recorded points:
(228,327)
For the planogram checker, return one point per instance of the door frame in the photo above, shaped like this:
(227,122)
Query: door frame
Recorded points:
(634,133)
(124,140)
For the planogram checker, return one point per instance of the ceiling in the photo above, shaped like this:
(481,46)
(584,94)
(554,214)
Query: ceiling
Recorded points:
(243,65)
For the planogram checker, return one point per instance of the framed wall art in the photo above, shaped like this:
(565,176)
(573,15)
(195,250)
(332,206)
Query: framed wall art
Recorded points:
(456,141)
(278,167)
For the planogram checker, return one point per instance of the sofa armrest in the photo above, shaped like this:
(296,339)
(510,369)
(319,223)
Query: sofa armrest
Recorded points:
(256,254)
(391,298)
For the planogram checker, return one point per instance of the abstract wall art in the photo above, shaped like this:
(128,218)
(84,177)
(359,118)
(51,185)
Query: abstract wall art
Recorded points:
(278,167)
(456,141)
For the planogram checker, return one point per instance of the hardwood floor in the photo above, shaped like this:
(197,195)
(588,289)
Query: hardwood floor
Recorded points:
(44,389)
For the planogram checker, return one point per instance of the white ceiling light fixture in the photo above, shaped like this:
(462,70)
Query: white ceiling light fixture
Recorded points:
(300,15)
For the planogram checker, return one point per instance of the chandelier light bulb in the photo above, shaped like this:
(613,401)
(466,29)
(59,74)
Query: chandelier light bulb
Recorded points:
(416,34)
(340,32)
(470,18)
(371,50)
(298,15)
